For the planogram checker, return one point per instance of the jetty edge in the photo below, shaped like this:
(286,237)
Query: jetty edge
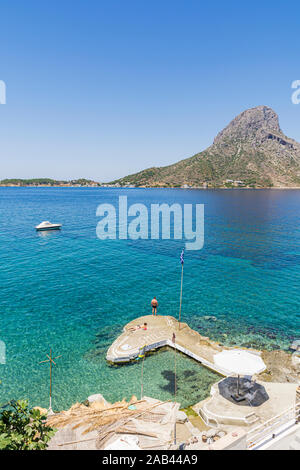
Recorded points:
(159,334)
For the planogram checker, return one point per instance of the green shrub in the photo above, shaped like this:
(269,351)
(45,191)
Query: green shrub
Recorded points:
(23,428)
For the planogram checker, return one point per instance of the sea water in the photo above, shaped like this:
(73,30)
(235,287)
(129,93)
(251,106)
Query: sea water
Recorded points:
(69,291)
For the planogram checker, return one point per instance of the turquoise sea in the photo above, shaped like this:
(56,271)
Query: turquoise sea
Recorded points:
(72,292)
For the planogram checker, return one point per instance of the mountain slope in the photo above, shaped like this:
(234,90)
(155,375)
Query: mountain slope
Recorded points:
(251,151)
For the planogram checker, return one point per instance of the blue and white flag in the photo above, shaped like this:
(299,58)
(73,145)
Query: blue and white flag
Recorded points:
(182,257)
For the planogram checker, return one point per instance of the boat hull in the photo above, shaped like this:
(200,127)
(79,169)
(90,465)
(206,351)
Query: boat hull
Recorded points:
(44,229)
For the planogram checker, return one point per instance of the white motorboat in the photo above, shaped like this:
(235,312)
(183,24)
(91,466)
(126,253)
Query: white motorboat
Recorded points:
(48,226)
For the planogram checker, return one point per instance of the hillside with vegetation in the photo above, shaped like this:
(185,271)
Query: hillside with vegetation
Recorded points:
(252,151)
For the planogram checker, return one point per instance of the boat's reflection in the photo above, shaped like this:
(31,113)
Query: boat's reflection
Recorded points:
(47,233)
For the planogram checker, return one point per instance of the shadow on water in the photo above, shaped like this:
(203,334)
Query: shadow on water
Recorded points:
(181,377)
(169,375)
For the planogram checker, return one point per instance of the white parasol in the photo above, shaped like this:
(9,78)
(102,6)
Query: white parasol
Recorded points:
(239,362)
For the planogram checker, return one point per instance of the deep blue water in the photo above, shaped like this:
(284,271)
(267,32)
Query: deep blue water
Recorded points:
(72,292)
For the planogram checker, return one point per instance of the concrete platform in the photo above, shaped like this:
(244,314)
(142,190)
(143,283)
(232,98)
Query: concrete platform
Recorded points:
(159,334)
(218,410)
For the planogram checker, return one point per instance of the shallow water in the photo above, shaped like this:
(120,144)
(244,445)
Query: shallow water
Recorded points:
(72,292)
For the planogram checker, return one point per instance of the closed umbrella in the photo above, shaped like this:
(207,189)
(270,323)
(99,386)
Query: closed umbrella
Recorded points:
(239,362)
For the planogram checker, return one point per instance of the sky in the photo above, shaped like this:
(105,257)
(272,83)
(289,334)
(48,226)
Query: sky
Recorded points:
(102,89)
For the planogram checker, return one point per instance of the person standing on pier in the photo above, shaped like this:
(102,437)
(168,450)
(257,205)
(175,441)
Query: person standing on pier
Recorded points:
(154,305)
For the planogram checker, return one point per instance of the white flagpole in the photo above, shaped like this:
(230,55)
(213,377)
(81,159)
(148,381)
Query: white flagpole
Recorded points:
(181,293)
(175,388)
(142,379)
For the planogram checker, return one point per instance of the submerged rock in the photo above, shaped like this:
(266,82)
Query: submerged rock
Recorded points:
(210,318)
(295,346)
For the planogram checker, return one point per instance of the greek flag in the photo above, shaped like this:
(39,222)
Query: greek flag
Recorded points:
(142,353)
(182,257)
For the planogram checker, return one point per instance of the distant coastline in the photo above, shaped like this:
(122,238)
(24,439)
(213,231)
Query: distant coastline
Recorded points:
(48,182)
(82,182)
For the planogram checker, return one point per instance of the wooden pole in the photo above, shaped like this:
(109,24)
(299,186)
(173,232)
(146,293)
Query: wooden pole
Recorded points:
(51,361)
(180,295)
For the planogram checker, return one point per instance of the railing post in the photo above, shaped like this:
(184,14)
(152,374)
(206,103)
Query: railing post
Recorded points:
(261,432)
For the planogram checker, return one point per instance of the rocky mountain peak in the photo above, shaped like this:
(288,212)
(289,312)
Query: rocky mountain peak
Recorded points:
(251,152)
(250,123)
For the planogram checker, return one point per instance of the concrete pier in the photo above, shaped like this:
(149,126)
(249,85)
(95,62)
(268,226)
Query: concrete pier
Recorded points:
(159,333)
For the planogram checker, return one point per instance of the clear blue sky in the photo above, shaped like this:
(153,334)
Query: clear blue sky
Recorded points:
(101,89)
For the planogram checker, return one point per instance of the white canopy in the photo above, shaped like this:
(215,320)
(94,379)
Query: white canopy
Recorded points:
(239,362)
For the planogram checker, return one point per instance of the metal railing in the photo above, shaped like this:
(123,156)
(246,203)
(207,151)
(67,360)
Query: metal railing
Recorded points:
(273,427)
